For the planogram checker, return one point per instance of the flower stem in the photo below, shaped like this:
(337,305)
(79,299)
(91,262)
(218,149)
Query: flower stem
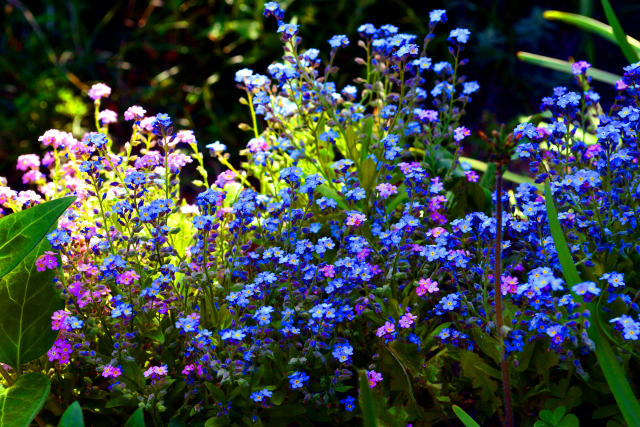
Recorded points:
(508,411)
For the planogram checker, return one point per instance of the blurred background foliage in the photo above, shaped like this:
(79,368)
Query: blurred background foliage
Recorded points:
(180,56)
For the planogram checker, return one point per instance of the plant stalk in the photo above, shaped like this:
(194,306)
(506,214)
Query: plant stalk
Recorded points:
(508,410)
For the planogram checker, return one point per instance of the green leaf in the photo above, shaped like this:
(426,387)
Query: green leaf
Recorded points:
(368,174)
(618,32)
(72,416)
(366,402)
(329,192)
(136,419)
(28,298)
(565,67)
(589,24)
(22,231)
(464,417)
(611,368)
(20,403)
(509,176)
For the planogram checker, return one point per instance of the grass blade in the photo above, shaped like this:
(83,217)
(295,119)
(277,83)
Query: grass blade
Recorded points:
(565,67)
(588,24)
(613,372)
(366,402)
(464,417)
(618,32)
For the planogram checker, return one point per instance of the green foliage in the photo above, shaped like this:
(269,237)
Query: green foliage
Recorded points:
(618,32)
(557,418)
(27,296)
(20,403)
(21,232)
(366,402)
(136,419)
(72,416)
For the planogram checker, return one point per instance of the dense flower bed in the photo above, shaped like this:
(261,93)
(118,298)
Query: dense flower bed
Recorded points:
(353,239)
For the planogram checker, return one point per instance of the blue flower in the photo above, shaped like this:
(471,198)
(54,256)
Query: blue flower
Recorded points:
(338,40)
(459,35)
(437,16)
(349,403)
(297,379)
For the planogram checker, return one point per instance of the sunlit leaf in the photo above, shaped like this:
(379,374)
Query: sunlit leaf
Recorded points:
(20,403)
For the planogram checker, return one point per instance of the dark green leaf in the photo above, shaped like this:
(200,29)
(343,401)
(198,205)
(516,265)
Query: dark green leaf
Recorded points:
(136,419)
(28,298)
(464,417)
(22,231)
(72,416)
(621,37)
(20,403)
(366,402)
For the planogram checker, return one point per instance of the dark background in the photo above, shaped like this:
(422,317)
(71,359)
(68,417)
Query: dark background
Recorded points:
(180,56)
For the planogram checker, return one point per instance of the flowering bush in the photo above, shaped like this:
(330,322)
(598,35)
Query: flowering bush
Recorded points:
(352,243)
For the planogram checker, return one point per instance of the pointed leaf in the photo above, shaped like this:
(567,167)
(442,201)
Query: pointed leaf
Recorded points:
(464,417)
(611,368)
(621,37)
(72,416)
(565,67)
(136,419)
(28,298)
(21,232)
(20,403)
(366,402)
(588,24)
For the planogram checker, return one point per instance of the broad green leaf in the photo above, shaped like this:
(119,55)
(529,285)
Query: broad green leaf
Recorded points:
(464,417)
(618,32)
(136,419)
(28,298)
(611,368)
(366,402)
(509,176)
(565,67)
(20,403)
(72,416)
(588,24)
(22,231)
(368,174)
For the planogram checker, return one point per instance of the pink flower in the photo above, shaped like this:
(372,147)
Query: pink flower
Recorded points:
(426,285)
(224,178)
(99,90)
(59,320)
(177,161)
(134,112)
(155,372)
(33,176)
(146,123)
(28,161)
(110,371)
(328,271)
(407,320)
(385,189)
(257,144)
(107,116)
(508,284)
(355,218)
(374,378)
(47,261)
(127,277)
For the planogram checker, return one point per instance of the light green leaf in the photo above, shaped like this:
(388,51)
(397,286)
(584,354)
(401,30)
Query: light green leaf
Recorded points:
(329,192)
(22,231)
(565,67)
(618,32)
(72,416)
(136,419)
(28,298)
(464,417)
(20,403)
(509,176)
(588,24)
